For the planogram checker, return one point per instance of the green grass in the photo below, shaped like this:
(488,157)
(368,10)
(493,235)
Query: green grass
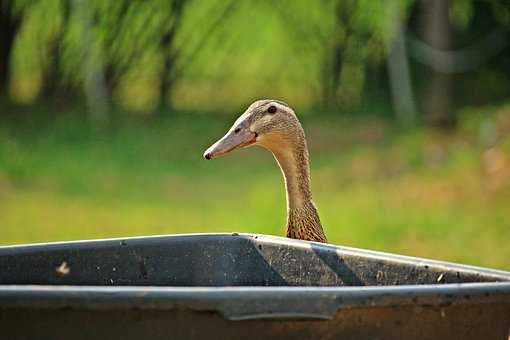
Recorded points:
(415,191)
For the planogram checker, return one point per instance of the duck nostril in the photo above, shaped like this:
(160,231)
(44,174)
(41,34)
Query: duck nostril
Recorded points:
(237,130)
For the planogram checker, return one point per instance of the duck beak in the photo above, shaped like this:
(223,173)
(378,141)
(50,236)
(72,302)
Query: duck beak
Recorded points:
(234,139)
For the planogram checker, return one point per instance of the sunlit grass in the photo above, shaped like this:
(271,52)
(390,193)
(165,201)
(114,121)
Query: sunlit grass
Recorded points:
(417,192)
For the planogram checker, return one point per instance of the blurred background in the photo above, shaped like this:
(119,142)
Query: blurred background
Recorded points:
(107,106)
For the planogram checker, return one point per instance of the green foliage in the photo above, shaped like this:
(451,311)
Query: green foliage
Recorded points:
(212,54)
(461,13)
(277,44)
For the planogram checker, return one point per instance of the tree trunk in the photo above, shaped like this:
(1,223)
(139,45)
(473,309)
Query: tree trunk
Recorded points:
(400,78)
(168,48)
(166,84)
(53,88)
(437,32)
(9,25)
(94,85)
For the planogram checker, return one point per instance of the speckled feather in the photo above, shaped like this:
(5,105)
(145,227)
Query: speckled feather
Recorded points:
(304,224)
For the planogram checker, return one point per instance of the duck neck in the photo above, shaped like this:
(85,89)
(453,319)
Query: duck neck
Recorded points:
(295,169)
(302,217)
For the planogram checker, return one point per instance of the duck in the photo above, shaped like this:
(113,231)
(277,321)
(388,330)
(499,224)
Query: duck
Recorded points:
(273,125)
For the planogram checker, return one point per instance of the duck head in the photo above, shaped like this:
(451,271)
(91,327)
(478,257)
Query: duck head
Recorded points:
(269,123)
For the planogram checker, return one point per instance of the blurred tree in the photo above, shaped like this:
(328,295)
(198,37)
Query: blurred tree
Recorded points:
(349,35)
(455,38)
(96,45)
(177,54)
(9,25)
(400,78)
(167,44)
(185,53)
(53,86)
(437,33)
(400,81)
(94,87)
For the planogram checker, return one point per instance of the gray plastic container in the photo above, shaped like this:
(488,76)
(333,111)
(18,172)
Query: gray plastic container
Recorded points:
(231,286)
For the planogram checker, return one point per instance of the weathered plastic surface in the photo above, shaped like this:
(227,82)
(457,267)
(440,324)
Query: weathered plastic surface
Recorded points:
(229,286)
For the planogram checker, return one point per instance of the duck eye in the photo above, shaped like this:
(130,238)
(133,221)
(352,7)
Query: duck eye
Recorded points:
(271,109)
(237,130)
